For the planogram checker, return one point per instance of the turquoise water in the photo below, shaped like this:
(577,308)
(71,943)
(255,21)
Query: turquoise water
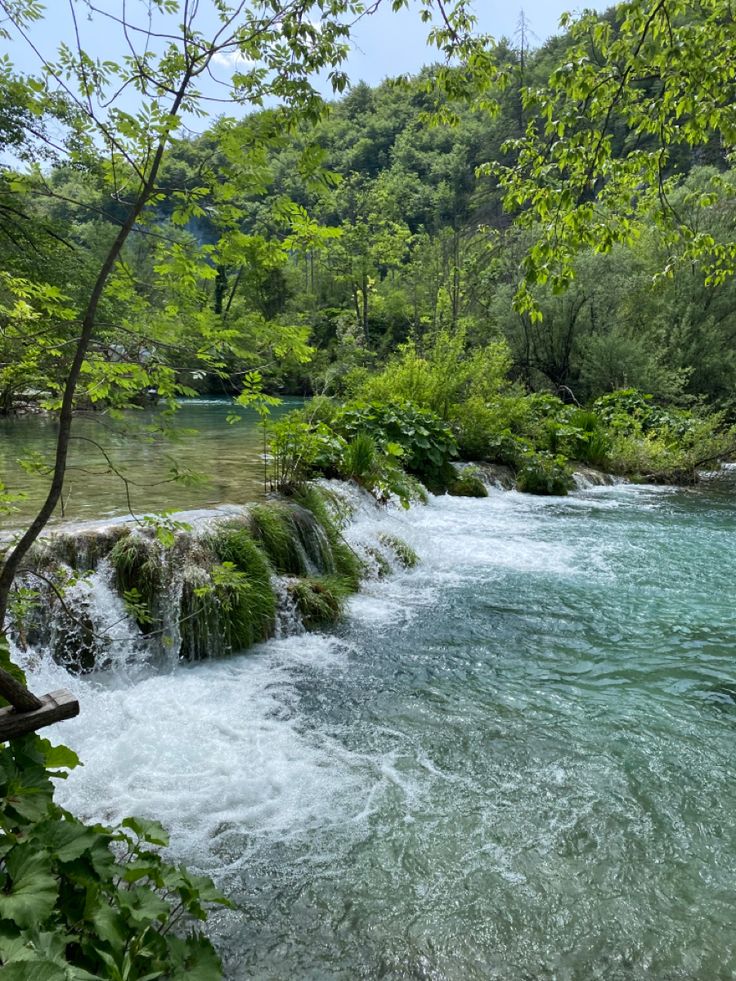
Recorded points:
(513,762)
(203,443)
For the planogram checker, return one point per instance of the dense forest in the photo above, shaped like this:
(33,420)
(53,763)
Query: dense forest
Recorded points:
(520,258)
(346,239)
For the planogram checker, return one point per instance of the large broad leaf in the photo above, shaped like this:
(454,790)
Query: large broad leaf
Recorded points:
(195,959)
(40,955)
(41,970)
(67,839)
(149,831)
(59,757)
(33,890)
(29,793)
(142,905)
(111,927)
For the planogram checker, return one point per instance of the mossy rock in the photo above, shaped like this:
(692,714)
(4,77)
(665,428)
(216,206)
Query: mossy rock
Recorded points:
(319,601)
(467,485)
(247,605)
(138,567)
(383,566)
(545,474)
(405,554)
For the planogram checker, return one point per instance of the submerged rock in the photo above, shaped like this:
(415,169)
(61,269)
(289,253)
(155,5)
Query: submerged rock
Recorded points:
(586,477)
(467,485)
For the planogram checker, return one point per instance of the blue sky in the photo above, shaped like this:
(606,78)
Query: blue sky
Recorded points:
(389,44)
(385,44)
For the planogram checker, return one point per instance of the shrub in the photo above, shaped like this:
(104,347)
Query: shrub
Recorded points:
(467,485)
(445,373)
(544,473)
(649,442)
(299,449)
(319,601)
(424,443)
(87,901)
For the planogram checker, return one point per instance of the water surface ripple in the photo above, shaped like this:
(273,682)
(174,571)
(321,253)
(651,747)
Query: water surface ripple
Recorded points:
(513,762)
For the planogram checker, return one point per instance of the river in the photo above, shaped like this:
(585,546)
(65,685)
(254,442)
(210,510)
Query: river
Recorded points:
(513,762)
(199,442)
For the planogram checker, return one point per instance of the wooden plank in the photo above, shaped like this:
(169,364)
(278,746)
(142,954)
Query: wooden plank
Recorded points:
(55,707)
(17,694)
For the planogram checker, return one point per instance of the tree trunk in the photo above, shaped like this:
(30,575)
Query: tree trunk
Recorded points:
(15,557)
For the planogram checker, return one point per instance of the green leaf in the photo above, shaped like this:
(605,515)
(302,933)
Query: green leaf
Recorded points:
(67,839)
(59,757)
(149,831)
(33,889)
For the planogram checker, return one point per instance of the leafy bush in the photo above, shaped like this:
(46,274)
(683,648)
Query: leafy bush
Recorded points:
(628,411)
(300,448)
(544,473)
(84,901)
(446,372)
(650,442)
(467,485)
(423,442)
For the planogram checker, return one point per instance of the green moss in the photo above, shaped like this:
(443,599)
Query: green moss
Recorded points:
(273,529)
(138,573)
(242,588)
(544,473)
(319,600)
(404,553)
(467,485)
(347,565)
(383,566)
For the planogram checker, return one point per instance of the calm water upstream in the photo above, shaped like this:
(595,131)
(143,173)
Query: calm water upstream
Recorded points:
(231,456)
(514,762)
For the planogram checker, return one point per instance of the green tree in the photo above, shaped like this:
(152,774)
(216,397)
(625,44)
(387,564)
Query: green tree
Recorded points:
(639,91)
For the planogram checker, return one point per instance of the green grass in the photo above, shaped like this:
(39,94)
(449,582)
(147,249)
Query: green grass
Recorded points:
(138,572)
(405,554)
(275,532)
(347,565)
(245,596)
(320,600)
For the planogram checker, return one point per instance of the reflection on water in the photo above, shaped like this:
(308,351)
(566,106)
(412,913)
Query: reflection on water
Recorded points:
(230,455)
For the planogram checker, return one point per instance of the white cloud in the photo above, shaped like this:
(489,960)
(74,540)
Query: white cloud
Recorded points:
(232,60)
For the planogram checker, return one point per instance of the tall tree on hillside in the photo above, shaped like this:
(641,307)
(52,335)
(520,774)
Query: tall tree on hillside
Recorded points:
(640,87)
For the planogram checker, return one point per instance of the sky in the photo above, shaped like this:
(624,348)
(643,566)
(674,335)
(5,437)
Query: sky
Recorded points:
(385,44)
(389,44)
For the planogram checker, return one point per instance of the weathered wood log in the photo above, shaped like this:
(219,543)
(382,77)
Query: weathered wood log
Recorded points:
(17,694)
(55,707)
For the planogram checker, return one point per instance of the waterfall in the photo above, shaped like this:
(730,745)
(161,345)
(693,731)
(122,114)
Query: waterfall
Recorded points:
(108,596)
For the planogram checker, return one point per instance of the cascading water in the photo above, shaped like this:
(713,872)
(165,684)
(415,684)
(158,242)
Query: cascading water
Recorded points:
(513,761)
